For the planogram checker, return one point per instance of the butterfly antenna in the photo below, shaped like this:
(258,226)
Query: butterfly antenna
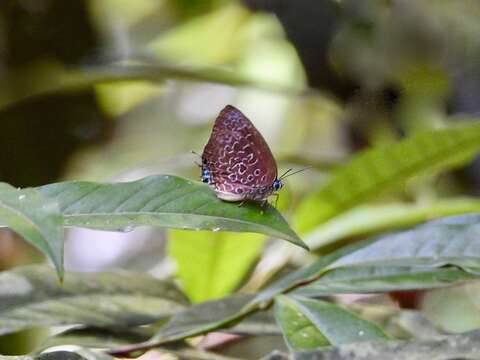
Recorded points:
(286,174)
(195,153)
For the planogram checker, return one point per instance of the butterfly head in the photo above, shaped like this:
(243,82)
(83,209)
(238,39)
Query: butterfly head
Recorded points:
(277,184)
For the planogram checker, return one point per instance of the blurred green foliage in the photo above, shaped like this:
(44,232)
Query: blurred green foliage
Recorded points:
(381,98)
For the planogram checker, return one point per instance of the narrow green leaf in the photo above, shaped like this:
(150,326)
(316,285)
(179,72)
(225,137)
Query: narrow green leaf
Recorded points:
(450,241)
(202,318)
(382,279)
(195,320)
(64,81)
(383,168)
(326,323)
(36,218)
(304,275)
(30,296)
(366,220)
(166,201)
(220,261)
(97,338)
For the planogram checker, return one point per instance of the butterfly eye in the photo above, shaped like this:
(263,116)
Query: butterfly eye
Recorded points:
(277,184)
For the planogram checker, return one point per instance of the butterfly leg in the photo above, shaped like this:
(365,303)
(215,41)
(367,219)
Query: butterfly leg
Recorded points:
(195,153)
(264,204)
(276,199)
(240,204)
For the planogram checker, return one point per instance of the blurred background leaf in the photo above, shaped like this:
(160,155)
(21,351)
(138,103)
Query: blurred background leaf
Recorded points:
(115,90)
(31,297)
(449,241)
(385,167)
(211,265)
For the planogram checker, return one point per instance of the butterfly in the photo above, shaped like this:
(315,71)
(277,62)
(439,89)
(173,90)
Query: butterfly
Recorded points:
(237,162)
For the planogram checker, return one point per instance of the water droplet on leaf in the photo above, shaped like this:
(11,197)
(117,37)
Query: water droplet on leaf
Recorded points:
(128,228)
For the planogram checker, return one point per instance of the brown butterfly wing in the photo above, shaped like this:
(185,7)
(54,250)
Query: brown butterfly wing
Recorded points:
(238,156)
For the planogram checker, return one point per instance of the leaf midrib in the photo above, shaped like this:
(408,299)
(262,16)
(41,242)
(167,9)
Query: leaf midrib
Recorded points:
(130,213)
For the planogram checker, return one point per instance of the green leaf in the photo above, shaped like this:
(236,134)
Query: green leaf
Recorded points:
(36,218)
(382,279)
(366,220)
(298,330)
(383,273)
(30,297)
(202,318)
(195,320)
(96,338)
(307,324)
(304,275)
(166,201)
(450,241)
(463,346)
(221,261)
(380,169)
